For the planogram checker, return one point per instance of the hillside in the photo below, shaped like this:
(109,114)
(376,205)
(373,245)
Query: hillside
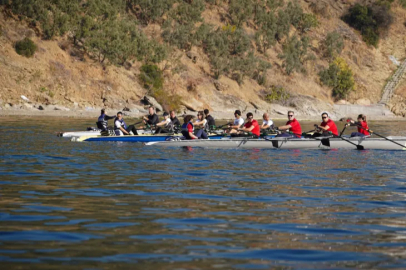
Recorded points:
(221,55)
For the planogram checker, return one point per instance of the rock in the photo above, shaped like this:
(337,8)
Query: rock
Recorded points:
(135,109)
(41,107)
(7,106)
(28,106)
(255,105)
(220,86)
(192,56)
(152,101)
(363,101)
(24,98)
(342,102)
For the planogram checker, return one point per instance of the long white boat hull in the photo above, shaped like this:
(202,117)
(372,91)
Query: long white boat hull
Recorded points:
(283,143)
(92,133)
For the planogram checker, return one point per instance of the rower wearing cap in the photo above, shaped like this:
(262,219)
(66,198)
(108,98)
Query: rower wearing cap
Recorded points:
(251,125)
(327,127)
(188,128)
(292,125)
(238,122)
(175,121)
(165,125)
(362,126)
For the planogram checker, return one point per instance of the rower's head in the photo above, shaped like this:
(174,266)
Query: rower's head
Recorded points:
(250,117)
(200,115)
(172,113)
(265,116)
(151,110)
(165,115)
(103,111)
(362,117)
(324,117)
(120,115)
(188,118)
(237,113)
(206,112)
(291,115)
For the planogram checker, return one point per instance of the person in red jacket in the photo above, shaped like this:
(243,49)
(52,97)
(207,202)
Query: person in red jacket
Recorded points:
(362,126)
(292,125)
(327,125)
(251,125)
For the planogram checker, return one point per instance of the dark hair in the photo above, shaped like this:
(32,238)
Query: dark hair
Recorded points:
(187,118)
(103,110)
(119,113)
(291,112)
(363,117)
(237,112)
(165,114)
(206,111)
(249,115)
(200,113)
(324,114)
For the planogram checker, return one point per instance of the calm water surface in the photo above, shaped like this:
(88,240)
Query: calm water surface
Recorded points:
(69,205)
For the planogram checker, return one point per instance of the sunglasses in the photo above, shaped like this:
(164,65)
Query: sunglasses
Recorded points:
(290,115)
(324,117)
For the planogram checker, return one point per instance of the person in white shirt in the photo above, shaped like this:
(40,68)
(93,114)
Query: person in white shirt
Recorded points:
(165,125)
(267,123)
(202,123)
(120,127)
(238,122)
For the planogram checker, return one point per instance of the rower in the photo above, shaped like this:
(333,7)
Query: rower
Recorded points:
(165,126)
(120,127)
(210,120)
(151,119)
(251,126)
(238,122)
(326,128)
(361,124)
(174,119)
(202,123)
(188,128)
(102,123)
(267,123)
(292,125)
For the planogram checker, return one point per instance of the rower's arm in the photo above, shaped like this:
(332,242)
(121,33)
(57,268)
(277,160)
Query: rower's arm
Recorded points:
(324,128)
(265,126)
(192,135)
(248,129)
(285,127)
(106,117)
(124,131)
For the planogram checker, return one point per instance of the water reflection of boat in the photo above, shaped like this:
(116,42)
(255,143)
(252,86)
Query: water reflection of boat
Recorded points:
(289,143)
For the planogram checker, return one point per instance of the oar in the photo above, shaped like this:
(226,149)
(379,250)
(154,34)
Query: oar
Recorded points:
(224,125)
(137,123)
(370,131)
(359,147)
(345,126)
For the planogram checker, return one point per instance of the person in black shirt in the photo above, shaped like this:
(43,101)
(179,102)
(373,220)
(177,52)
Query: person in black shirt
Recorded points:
(174,119)
(102,123)
(152,119)
(210,120)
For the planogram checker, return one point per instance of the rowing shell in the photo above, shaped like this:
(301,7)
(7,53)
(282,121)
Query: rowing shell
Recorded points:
(70,134)
(289,143)
(134,138)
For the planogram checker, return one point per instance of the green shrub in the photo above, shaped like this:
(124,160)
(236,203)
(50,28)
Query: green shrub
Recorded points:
(333,44)
(338,76)
(148,11)
(240,11)
(282,25)
(151,77)
(275,93)
(188,12)
(265,35)
(295,13)
(370,20)
(25,47)
(307,22)
(295,54)
(402,3)
(179,35)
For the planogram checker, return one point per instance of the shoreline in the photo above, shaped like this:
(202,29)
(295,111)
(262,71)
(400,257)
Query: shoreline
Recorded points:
(87,114)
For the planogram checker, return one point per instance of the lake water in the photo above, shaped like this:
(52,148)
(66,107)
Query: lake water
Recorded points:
(70,205)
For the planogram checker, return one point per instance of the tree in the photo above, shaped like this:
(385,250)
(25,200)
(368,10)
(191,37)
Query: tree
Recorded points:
(339,76)
(294,54)
(240,11)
